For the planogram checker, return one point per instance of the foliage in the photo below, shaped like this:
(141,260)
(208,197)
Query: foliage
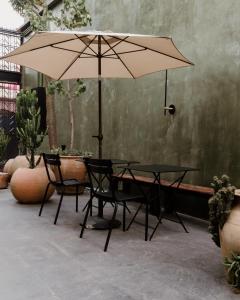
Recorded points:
(233,268)
(4,140)
(73,14)
(19,5)
(57,86)
(220,205)
(68,152)
(28,125)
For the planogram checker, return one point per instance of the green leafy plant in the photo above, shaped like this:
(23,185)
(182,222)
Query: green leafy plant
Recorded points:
(233,268)
(28,125)
(71,91)
(4,140)
(220,205)
(73,15)
(68,152)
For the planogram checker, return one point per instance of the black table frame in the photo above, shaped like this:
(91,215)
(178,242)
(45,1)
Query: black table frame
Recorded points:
(156,170)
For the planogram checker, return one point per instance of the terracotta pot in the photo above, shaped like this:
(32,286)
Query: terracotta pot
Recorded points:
(4,179)
(21,161)
(8,165)
(72,167)
(229,235)
(28,185)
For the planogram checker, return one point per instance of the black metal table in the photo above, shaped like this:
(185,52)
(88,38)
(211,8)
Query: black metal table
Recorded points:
(156,170)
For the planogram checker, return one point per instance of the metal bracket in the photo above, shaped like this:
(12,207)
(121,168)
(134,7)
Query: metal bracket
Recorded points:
(99,137)
(171,109)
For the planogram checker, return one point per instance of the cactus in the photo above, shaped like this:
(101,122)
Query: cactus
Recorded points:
(220,205)
(28,125)
(233,268)
(4,140)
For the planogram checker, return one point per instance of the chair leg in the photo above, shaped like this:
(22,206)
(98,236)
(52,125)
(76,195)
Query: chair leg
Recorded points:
(181,222)
(110,227)
(44,199)
(59,206)
(129,225)
(146,222)
(76,198)
(124,216)
(89,205)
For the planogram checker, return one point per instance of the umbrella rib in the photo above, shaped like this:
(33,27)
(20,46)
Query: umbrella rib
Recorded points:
(88,45)
(38,48)
(119,58)
(126,52)
(147,48)
(74,51)
(119,42)
(68,67)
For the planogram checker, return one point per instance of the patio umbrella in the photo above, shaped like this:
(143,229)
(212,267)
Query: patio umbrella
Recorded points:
(94,54)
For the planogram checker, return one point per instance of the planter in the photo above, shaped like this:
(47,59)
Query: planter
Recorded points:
(72,167)
(21,161)
(28,185)
(4,179)
(229,235)
(8,165)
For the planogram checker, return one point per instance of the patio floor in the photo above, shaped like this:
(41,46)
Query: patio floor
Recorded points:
(42,261)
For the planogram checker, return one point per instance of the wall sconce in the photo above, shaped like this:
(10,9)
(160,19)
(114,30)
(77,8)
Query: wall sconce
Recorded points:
(171,108)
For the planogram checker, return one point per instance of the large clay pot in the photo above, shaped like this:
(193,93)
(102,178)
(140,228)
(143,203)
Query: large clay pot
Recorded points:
(72,167)
(21,161)
(28,185)
(230,234)
(8,165)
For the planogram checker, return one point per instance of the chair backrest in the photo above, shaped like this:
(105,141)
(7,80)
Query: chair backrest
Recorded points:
(53,160)
(100,174)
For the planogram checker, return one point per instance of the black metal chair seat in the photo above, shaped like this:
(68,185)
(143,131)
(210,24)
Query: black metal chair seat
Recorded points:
(71,182)
(53,160)
(100,175)
(119,196)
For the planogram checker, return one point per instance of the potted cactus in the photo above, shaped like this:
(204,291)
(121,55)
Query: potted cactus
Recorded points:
(4,140)
(28,183)
(224,217)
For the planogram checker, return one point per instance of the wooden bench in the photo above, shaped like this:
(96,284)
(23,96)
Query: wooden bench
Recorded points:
(183,186)
(190,199)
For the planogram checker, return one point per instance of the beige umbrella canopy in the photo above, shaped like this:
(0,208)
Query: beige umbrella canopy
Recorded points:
(94,54)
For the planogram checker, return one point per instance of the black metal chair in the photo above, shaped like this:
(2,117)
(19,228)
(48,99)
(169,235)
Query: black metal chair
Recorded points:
(104,187)
(51,160)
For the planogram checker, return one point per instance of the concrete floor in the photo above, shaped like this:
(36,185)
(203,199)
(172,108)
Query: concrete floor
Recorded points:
(41,261)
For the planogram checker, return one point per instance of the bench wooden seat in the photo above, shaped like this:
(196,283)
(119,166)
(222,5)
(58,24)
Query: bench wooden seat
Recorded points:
(183,186)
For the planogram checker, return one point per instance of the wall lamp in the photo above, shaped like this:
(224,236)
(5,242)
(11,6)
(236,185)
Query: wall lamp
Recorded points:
(171,108)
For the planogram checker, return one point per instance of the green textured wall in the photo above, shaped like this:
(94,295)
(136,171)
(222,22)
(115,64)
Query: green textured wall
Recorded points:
(205,130)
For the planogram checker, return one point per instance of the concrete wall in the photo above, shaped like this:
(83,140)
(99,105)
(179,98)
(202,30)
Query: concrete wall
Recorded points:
(205,131)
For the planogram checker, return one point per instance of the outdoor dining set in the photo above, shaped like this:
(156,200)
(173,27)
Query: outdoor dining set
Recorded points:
(103,185)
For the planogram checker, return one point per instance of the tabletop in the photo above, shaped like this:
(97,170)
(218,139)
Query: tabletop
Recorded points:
(157,168)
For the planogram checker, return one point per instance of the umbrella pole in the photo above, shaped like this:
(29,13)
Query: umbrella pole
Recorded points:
(100,135)
(165,94)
